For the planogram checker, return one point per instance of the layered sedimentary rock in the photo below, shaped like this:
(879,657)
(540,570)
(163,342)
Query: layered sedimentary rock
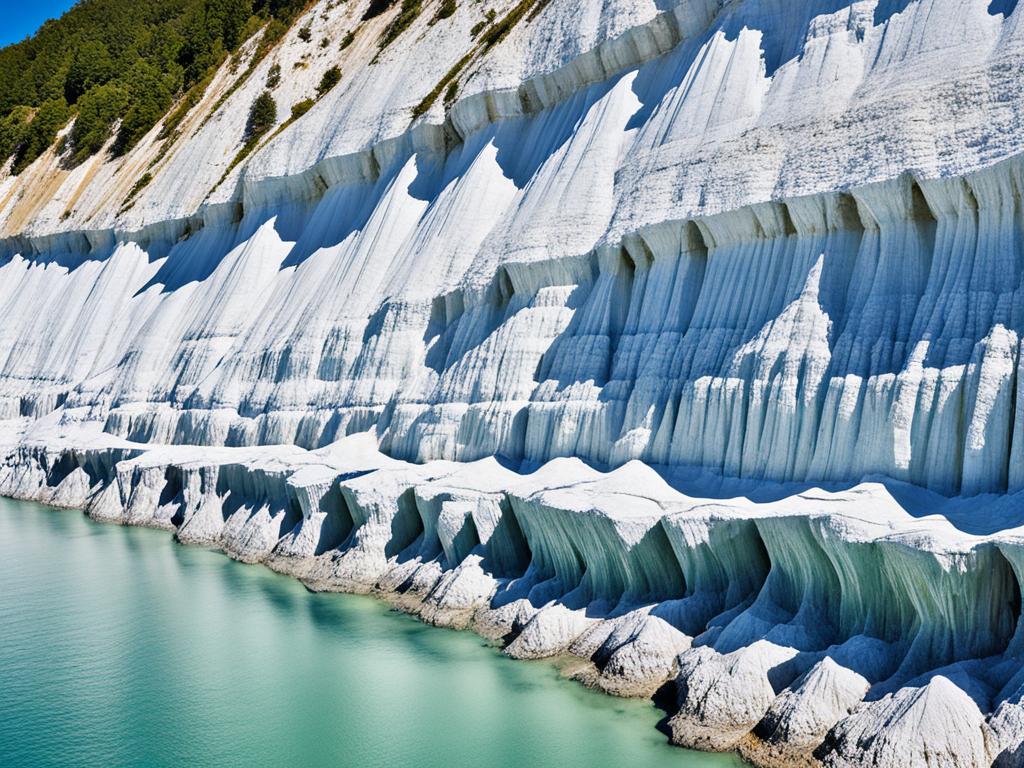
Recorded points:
(682,339)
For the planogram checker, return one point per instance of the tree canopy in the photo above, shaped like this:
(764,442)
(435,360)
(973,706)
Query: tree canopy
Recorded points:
(330,79)
(117,62)
(262,116)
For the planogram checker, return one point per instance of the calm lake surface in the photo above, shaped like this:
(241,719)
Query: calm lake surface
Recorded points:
(119,647)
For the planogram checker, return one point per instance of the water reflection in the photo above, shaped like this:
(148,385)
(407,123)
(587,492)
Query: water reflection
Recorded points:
(120,647)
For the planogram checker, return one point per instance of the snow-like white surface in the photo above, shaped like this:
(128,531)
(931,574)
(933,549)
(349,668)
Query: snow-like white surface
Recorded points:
(627,269)
(686,341)
(792,620)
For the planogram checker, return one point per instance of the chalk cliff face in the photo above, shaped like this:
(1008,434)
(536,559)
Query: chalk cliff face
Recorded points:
(735,291)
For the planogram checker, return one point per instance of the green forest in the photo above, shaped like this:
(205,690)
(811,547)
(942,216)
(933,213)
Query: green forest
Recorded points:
(121,63)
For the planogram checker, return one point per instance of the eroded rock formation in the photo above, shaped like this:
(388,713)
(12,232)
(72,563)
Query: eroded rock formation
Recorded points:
(683,339)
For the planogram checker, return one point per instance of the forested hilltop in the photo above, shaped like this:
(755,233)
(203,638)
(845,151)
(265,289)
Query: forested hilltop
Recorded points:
(121,65)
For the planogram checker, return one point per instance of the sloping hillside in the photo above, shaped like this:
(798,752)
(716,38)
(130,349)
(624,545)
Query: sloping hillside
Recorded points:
(742,281)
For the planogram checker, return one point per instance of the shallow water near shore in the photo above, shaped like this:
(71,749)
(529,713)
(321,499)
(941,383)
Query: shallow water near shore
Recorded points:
(120,647)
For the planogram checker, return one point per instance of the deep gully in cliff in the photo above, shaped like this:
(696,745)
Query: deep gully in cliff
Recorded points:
(675,411)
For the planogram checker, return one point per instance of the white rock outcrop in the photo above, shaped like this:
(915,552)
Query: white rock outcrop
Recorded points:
(682,339)
(935,725)
(801,628)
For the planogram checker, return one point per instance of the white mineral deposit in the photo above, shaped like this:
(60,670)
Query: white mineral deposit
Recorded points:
(684,339)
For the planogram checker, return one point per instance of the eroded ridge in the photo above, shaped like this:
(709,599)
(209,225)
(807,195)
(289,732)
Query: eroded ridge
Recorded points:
(822,338)
(759,261)
(664,239)
(847,626)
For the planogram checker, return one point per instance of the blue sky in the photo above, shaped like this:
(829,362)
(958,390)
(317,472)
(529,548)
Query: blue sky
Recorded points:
(20,18)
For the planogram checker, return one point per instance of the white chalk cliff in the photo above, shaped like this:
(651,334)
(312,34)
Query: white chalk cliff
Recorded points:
(682,337)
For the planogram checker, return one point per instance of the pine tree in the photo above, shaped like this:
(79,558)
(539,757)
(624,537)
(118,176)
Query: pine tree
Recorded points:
(158,52)
(262,116)
(330,79)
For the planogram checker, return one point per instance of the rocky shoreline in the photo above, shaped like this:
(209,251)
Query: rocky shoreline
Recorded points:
(652,588)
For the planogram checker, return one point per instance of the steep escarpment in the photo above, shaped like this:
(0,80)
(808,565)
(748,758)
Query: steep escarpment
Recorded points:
(812,336)
(874,330)
(732,290)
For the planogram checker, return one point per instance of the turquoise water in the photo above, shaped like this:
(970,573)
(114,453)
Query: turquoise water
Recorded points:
(120,648)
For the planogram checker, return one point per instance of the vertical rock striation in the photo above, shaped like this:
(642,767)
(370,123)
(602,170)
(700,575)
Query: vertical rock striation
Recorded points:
(682,340)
